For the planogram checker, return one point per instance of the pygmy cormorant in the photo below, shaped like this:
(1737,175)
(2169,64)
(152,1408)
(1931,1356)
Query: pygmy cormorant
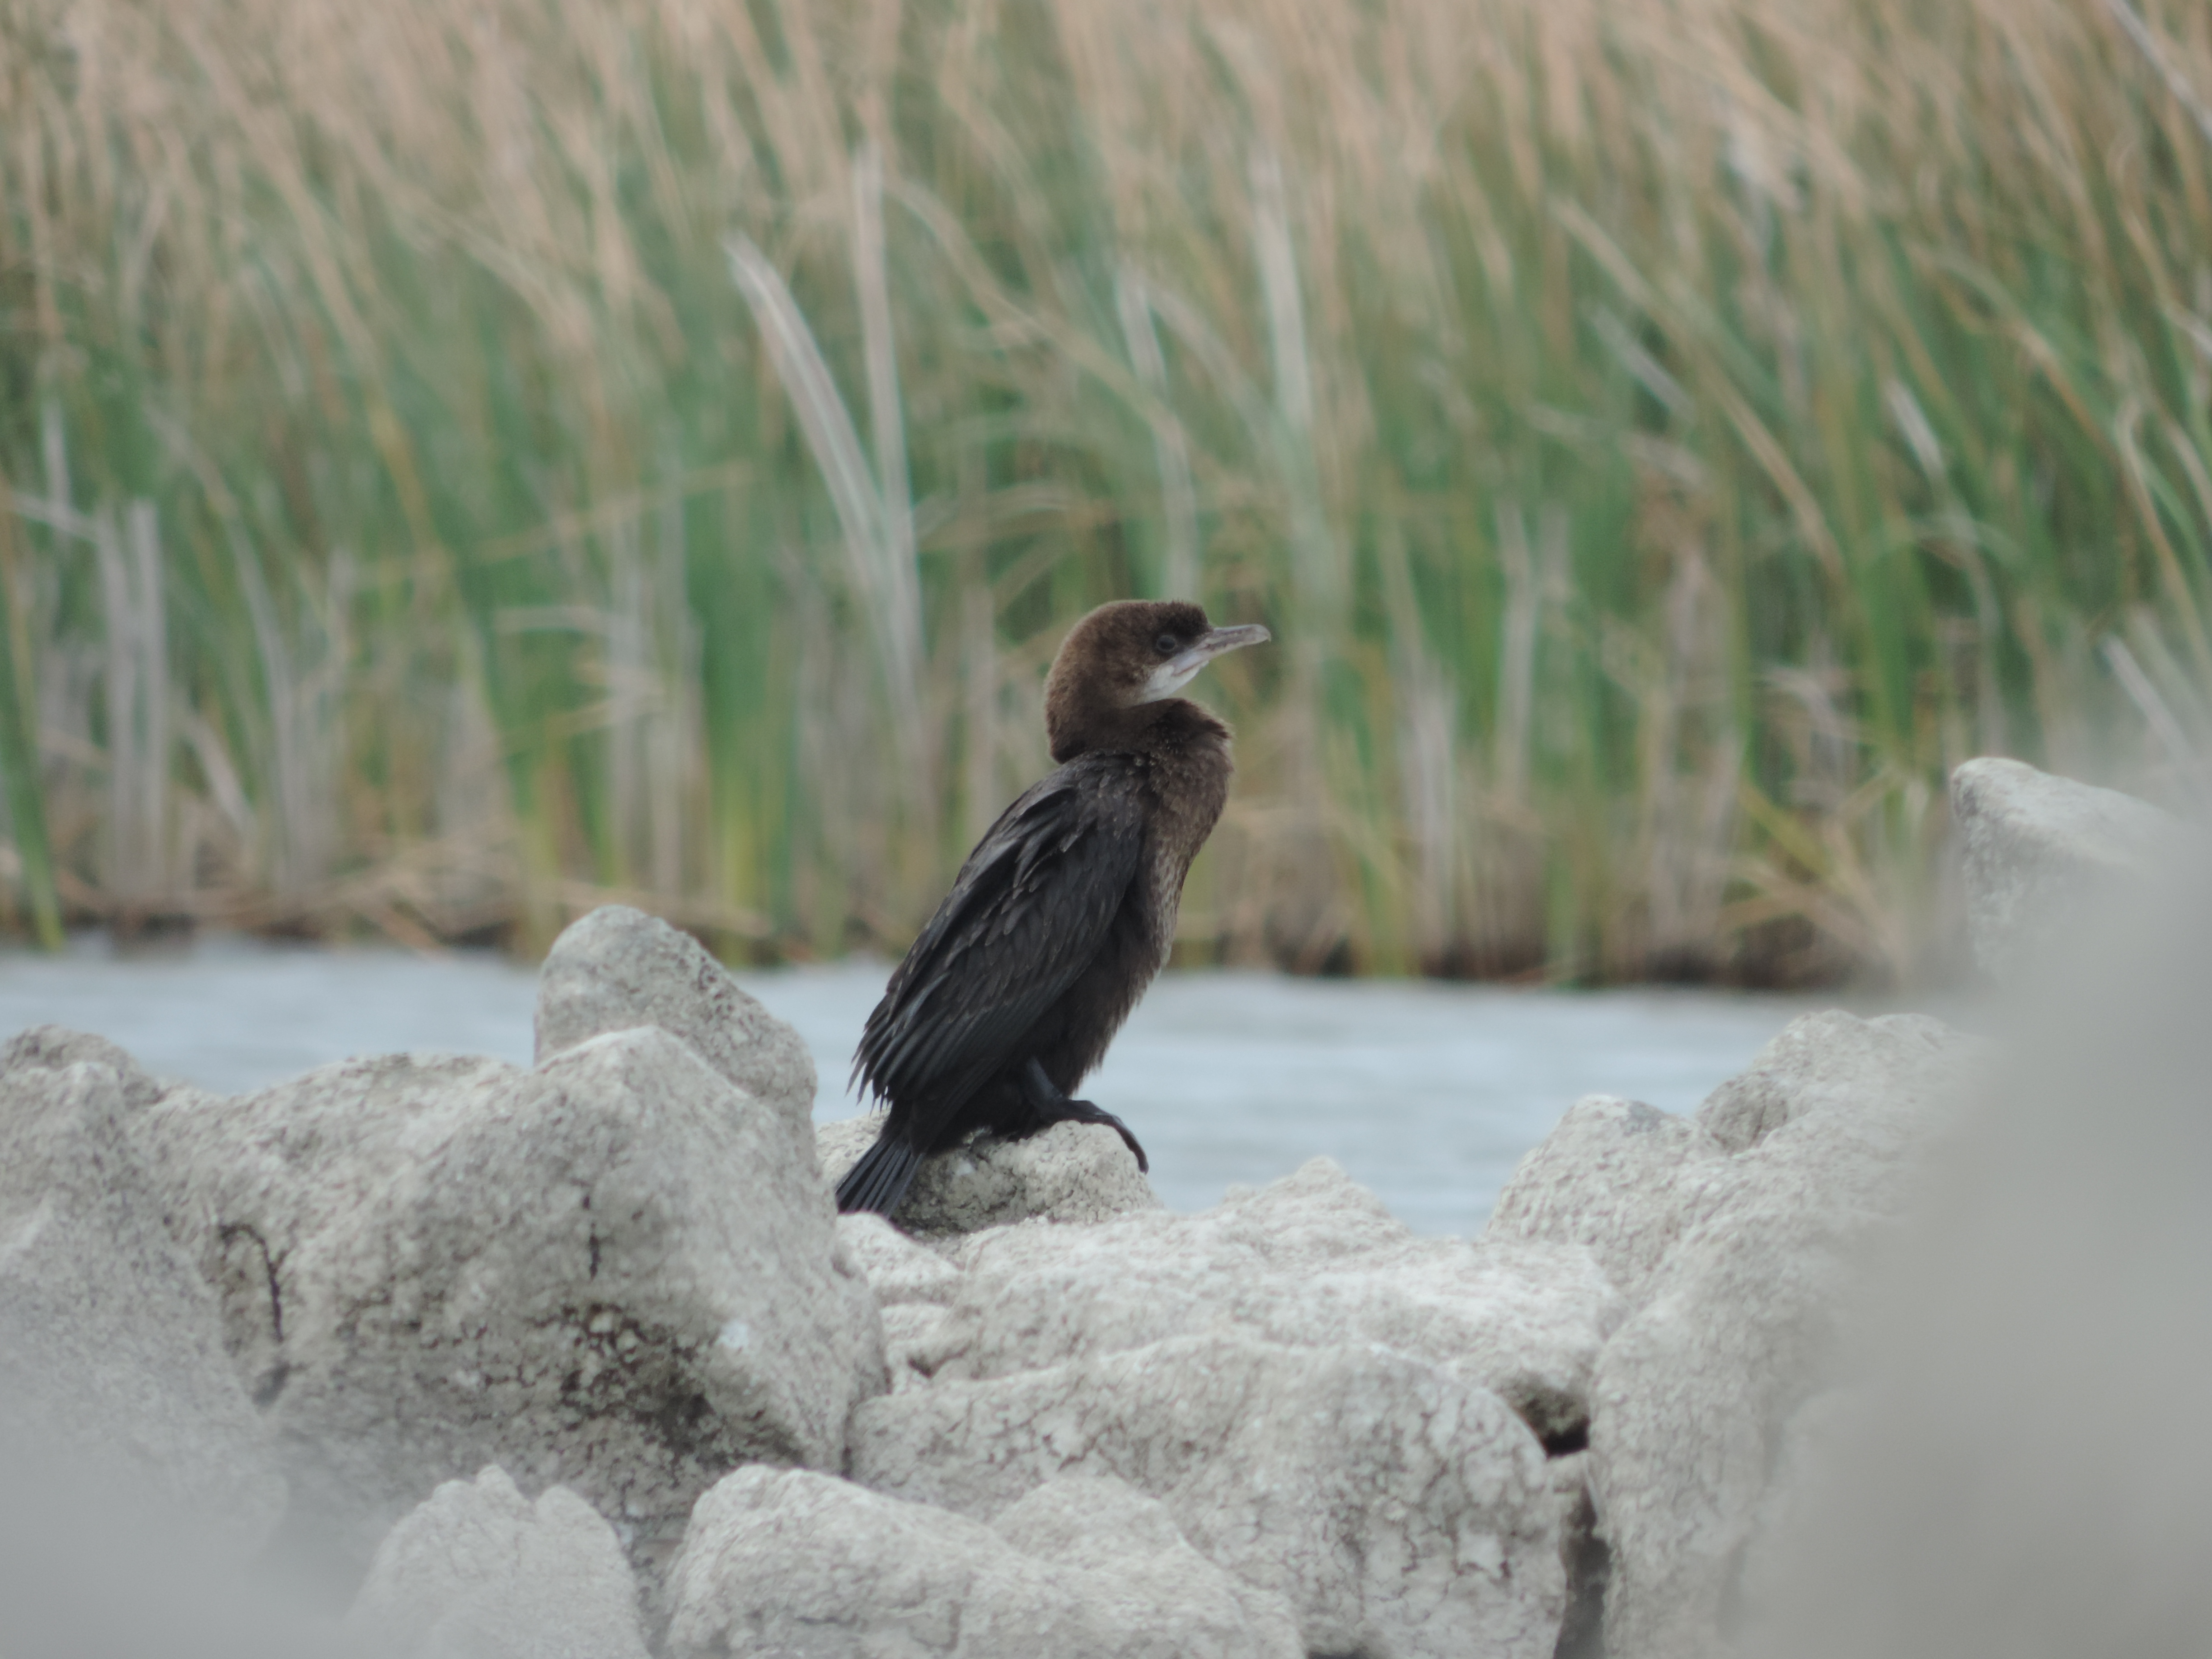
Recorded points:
(1065,910)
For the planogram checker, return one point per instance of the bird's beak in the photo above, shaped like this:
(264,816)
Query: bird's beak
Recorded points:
(1178,671)
(1217,641)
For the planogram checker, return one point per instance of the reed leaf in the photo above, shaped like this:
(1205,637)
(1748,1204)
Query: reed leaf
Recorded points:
(1664,436)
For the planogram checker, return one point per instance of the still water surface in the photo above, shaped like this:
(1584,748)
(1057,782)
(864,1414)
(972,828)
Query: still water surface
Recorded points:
(1428,1093)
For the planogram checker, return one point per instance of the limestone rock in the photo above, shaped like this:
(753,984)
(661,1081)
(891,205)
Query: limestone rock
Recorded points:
(89,1570)
(913,1286)
(898,1270)
(1622,1178)
(1692,1393)
(1814,1449)
(1072,1172)
(804,1566)
(2039,852)
(611,1271)
(1311,1261)
(1399,1511)
(478,1572)
(1583,1556)
(619,968)
(1606,1178)
(2017,1466)
(56,1049)
(1130,1544)
(111,1352)
(1818,1060)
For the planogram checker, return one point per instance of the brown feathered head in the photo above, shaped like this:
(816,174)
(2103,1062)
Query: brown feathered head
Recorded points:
(1121,657)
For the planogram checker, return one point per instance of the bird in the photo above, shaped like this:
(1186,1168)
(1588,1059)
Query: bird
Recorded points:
(1065,910)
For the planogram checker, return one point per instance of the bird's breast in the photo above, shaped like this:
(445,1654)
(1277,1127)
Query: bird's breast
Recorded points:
(1186,803)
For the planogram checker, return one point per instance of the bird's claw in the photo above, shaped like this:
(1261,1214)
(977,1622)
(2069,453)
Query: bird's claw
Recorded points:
(1088,1113)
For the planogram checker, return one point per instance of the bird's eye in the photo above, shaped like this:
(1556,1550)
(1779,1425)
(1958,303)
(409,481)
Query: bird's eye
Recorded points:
(1166,645)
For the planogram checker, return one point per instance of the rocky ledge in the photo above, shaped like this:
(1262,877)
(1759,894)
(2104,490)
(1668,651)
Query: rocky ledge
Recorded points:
(579,1360)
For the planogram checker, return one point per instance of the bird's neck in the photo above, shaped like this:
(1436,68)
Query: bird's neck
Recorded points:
(1169,728)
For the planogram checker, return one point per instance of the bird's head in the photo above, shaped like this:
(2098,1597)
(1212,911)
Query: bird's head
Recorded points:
(1121,657)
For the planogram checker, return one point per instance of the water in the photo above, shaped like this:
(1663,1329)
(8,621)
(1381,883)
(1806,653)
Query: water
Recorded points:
(1427,1093)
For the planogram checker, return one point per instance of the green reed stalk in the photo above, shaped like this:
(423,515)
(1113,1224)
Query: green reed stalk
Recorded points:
(561,455)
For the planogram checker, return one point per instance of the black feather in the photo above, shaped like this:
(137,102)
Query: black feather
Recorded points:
(1027,915)
(878,1181)
(1062,913)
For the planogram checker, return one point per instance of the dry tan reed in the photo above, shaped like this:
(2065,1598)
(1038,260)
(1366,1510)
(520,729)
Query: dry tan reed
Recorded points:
(463,462)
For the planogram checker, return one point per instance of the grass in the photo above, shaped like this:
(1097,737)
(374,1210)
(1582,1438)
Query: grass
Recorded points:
(466,464)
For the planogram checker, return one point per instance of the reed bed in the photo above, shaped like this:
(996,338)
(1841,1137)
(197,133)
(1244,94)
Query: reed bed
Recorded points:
(460,464)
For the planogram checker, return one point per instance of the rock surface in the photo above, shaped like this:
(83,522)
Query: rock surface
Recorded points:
(1606,1178)
(478,1572)
(1746,1308)
(1072,1172)
(1285,1426)
(898,1270)
(2041,852)
(1821,1061)
(2005,1475)
(56,1049)
(111,1352)
(611,1271)
(804,1566)
(1310,1260)
(913,1284)
(619,968)
(1812,1450)
(1399,1511)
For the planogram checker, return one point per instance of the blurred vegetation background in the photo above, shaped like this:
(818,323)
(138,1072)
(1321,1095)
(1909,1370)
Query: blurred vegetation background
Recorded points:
(463,462)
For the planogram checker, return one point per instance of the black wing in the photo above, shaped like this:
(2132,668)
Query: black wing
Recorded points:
(1027,912)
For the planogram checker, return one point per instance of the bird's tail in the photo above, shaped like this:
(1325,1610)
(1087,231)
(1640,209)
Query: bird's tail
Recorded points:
(878,1181)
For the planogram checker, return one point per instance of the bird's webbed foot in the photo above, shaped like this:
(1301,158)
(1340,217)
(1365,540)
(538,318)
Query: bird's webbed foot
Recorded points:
(1051,1107)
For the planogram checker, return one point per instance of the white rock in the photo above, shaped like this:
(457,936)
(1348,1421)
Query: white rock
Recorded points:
(898,1270)
(619,968)
(913,1286)
(1397,1511)
(802,1566)
(2041,853)
(1606,1178)
(111,1350)
(1140,1561)
(1813,1451)
(478,1572)
(86,1570)
(2019,1466)
(1831,1058)
(1311,1261)
(56,1049)
(1072,1172)
(1692,1393)
(1624,1178)
(1583,1557)
(612,1272)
